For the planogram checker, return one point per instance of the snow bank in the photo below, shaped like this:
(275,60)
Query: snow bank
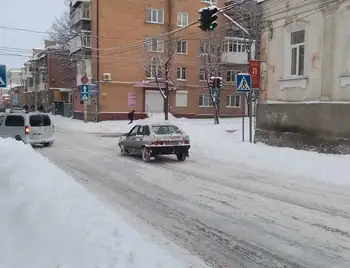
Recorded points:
(222,143)
(49,220)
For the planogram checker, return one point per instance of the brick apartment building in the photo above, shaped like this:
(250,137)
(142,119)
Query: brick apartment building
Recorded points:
(112,42)
(47,77)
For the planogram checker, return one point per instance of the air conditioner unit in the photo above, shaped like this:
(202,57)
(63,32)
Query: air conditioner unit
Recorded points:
(107,77)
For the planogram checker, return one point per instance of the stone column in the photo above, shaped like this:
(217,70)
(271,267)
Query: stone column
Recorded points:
(329,30)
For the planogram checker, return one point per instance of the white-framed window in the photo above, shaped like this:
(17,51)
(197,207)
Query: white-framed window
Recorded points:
(181,98)
(181,47)
(182,19)
(236,46)
(154,44)
(155,15)
(153,71)
(233,101)
(205,48)
(86,39)
(209,1)
(181,73)
(86,7)
(204,100)
(231,76)
(202,74)
(297,53)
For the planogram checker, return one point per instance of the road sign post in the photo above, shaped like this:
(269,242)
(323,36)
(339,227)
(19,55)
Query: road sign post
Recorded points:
(85,96)
(243,82)
(3,82)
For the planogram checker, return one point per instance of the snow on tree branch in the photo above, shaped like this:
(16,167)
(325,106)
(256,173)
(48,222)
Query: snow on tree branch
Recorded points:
(60,33)
(212,56)
(158,59)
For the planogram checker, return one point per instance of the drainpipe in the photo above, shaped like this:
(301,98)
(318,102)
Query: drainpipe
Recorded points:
(98,58)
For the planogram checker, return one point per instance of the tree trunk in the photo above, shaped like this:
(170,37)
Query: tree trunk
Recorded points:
(166,102)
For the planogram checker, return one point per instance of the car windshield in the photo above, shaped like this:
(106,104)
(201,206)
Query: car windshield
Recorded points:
(166,130)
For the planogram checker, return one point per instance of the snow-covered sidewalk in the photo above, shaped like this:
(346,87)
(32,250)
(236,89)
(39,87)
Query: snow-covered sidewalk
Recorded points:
(217,143)
(49,220)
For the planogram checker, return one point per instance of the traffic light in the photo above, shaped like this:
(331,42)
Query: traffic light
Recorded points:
(212,82)
(219,82)
(207,20)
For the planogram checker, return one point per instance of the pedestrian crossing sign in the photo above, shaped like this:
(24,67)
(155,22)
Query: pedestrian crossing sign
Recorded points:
(243,82)
(85,96)
(84,92)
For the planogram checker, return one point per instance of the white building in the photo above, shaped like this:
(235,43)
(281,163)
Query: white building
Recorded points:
(305,50)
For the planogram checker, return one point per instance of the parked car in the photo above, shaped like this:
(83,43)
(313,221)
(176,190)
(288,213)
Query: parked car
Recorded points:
(32,128)
(150,140)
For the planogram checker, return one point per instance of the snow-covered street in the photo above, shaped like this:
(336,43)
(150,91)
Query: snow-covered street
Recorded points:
(235,209)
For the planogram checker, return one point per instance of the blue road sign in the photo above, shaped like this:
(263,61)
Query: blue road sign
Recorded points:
(3,82)
(93,90)
(243,82)
(84,92)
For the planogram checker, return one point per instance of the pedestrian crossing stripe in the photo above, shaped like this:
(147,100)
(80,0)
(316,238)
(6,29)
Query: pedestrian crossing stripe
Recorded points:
(85,96)
(2,82)
(243,85)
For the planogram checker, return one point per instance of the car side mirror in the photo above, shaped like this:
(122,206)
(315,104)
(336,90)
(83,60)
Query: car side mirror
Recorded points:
(126,134)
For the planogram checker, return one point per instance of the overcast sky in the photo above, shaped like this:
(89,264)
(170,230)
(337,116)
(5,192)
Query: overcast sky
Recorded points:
(27,14)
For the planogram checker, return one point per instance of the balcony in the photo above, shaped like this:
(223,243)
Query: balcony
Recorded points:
(74,3)
(82,13)
(82,40)
(235,51)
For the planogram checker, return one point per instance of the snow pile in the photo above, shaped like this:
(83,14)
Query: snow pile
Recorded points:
(79,126)
(49,220)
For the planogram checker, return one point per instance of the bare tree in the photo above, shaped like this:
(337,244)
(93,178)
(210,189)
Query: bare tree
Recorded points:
(61,34)
(211,53)
(158,61)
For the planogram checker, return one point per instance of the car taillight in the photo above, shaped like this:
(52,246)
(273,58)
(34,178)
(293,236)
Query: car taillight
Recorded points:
(157,142)
(26,130)
(53,128)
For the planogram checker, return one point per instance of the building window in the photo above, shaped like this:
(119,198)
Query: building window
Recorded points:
(86,11)
(154,45)
(297,51)
(182,19)
(235,46)
(181,47)
(231,76)
(154,15)
(181,99)
(153,71)
(233,101)
(181,73)
(204,101)
(86,39)
(202,74)
(205,48)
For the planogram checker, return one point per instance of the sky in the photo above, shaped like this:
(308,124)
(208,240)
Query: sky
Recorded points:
(36,15)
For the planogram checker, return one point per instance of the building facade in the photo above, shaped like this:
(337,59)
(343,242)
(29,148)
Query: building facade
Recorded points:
(305,56)
(128,47)
(47,76)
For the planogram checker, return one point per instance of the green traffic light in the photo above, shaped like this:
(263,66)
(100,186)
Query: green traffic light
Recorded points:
(213,26)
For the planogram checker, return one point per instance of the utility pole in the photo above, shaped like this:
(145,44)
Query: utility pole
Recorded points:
(85,102)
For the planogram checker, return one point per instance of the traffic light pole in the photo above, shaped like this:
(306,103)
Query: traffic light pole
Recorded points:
(249,95)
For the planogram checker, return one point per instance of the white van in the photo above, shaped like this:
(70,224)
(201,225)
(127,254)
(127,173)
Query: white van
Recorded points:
(32,128)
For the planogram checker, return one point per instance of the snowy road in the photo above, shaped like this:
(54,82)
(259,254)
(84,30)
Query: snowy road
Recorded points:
(230,216)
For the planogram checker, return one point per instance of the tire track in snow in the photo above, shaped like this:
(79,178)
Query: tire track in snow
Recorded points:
(227,224)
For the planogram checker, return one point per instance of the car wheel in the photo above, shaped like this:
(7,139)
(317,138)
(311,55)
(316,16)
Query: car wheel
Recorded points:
(181,156)
(47,144)
(123,152)
(146,156)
